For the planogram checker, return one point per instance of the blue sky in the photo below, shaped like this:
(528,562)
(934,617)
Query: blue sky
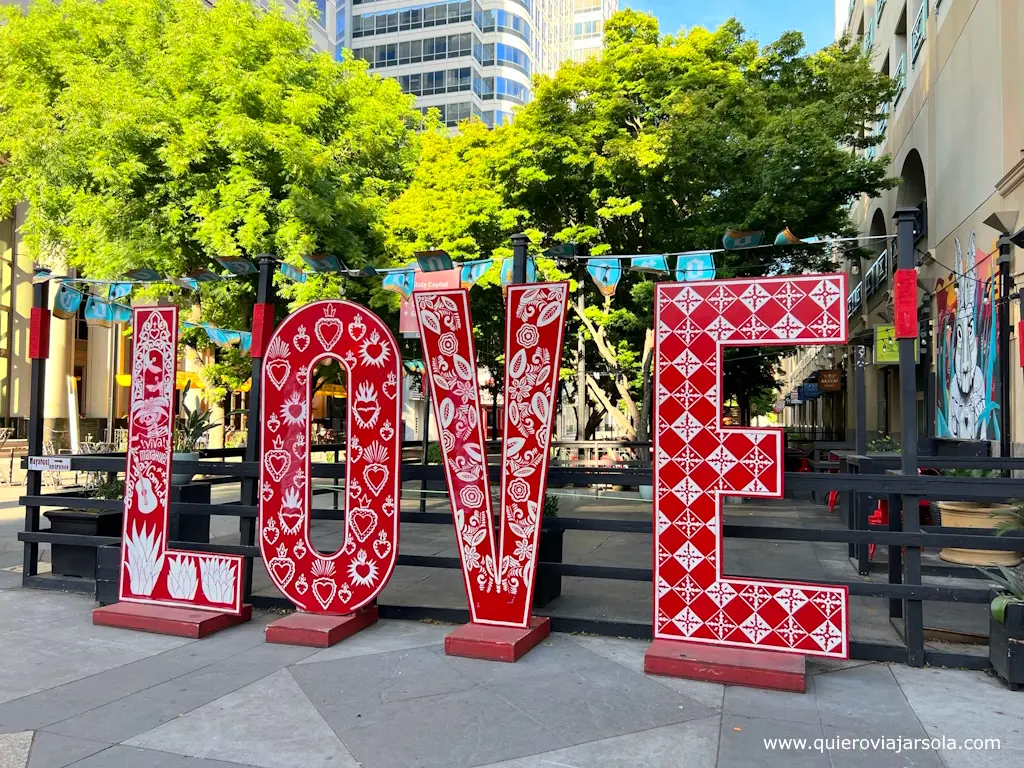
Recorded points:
(764,19)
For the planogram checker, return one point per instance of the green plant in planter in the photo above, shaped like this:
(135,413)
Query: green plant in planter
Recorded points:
(1013,520)
(1010,584)
(550,506)
(434,455)
(192,425)
(108,488)
(884,444)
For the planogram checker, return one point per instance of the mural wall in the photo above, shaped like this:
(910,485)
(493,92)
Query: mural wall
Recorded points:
(967,362)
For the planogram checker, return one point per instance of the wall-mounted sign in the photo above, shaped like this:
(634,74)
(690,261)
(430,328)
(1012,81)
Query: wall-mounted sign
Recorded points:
(830,380)
(810,391)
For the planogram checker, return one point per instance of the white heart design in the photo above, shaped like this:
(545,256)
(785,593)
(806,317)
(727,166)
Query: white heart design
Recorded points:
(278,371)
(363,523)
(282,569)
(328,331)
(323,591)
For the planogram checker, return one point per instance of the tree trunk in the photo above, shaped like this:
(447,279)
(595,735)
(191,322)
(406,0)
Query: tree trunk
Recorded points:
(621,384)
(593,423)
(643,427)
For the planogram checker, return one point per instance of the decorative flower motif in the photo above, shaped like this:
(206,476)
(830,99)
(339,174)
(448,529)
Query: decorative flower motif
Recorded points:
(182,579)
(519,490)
(471,496)
(528,336)
(523,550)
(448,344)
(218,580)
(143,560)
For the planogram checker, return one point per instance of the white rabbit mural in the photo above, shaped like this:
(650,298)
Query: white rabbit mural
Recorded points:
(967,347)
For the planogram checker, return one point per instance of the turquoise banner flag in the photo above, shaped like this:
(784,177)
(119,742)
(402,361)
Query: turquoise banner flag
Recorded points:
(606,274)
(237,265)
(245,341)
(434,261)
(203,275)
(322,262)
(145,275)
(506,272)
(119,313)
(695,266)
(99,312)
(736,239)
(119,291)
(785,237)
(472,271)
(292,273)
(657,265)
(184,282)
(221,337)
(66,302)
(400,282)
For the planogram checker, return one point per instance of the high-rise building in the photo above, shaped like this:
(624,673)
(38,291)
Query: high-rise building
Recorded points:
(589,17)
(464,57)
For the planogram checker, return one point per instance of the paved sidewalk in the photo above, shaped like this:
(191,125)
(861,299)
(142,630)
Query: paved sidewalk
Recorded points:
(96,697)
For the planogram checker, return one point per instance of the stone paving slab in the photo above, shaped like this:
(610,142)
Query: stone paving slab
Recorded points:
(74,695)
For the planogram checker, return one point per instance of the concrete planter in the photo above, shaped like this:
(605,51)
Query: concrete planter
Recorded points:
(182,478)
(74,559)
(965,514)
(549,585)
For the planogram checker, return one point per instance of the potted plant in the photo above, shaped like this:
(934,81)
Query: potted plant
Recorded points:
(974,514)
(884,444)
(192,425)
(1006,626)
(548,585)
(80,560)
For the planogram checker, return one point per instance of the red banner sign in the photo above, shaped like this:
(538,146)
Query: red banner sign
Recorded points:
(150,572)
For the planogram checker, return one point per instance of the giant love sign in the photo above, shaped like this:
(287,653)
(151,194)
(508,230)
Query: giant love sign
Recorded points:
(696,460)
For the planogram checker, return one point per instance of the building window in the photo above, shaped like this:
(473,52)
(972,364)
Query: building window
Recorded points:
(587,29)
(414,51)
(582,6)
(416,17)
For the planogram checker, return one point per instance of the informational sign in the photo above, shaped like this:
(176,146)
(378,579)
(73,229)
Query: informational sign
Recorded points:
(49,463)
(425,281)
(700,461)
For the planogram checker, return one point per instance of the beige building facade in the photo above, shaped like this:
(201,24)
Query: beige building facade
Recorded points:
(955,135)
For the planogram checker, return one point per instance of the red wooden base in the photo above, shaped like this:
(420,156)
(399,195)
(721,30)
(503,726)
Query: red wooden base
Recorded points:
(734,666)
(318,630)
(167,620)
(482,641)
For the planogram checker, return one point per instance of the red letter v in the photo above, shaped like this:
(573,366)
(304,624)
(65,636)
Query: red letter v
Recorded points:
(499,578)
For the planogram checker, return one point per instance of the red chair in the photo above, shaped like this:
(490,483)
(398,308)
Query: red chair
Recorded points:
(881,514)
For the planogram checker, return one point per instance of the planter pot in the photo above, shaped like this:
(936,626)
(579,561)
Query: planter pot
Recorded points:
(75,559)
(1006,645)
(182,478)
(647,492)
(548,585)
(108,574)
(964,514)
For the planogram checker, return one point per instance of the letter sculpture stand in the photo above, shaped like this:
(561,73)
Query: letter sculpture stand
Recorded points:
(166,591)
(706,625)
(499,576)
(334,593)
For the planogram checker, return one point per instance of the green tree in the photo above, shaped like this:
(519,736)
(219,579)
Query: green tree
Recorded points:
(163,133)
(663,142)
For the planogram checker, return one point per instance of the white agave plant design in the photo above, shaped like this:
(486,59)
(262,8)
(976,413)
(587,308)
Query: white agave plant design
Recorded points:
(218,580)
(143,561)
(182,579)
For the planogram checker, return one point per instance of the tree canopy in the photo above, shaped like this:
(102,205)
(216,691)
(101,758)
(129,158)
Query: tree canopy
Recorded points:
(658,146)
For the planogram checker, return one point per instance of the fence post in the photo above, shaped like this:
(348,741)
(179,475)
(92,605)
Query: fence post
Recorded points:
(262,329)
(906,218)
(1005,291)
(39,350)
(520,245)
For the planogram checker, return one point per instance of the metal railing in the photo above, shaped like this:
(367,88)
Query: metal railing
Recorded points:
(919,32)
(900,77)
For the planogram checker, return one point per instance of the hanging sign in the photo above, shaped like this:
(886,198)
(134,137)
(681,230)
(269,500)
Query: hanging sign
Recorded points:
(830,380)
(424,281)
(694,600)
(737,239)
(49,463)
(887,347)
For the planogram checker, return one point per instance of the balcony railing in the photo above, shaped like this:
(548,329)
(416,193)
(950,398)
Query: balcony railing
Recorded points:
(919,32)
(882,126)
(879,7)
(901,79)
(877,274)
(869,37)
(853,302)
